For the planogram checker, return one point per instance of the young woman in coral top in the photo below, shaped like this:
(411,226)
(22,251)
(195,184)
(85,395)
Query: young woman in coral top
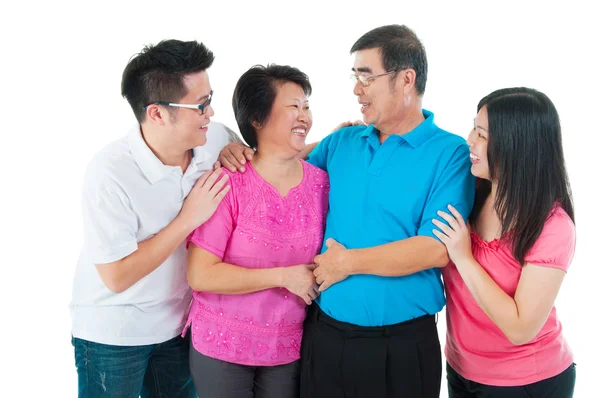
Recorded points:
(508,262)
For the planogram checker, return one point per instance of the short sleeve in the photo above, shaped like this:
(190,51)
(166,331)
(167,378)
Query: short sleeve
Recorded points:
(109,223)
(455,186)
(217,138)
(319,156)
(556,245)
(233,137)
(213,236)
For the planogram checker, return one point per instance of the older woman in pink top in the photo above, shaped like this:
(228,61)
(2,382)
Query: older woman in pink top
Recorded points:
(251,264)
(504,338)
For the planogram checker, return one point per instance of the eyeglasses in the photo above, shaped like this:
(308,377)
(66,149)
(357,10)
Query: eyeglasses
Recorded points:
(201,107)
(366,80)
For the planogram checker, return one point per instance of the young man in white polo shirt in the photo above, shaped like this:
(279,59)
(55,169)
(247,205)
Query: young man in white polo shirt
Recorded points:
(142,196)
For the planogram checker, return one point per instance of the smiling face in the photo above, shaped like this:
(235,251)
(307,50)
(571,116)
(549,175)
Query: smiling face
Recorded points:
(288,123)
(188,127)
(478,143)
(381,100)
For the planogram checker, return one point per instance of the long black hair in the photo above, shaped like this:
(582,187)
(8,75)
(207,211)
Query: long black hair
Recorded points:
(525,157)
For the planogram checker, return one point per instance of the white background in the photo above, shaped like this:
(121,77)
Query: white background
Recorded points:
(60,96)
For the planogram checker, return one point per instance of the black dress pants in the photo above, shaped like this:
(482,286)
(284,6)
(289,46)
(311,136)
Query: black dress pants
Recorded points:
(341,360)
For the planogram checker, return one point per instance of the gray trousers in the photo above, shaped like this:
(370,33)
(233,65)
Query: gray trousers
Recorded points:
(219,379)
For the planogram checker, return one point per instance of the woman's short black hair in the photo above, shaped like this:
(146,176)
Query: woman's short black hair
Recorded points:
(255,94)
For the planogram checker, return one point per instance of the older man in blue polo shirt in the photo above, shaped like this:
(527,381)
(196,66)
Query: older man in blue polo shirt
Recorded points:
(372,332)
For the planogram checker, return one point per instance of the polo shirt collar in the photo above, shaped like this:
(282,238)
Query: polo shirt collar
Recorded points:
(415,137)
(200,154)
(422,132)
(154,170)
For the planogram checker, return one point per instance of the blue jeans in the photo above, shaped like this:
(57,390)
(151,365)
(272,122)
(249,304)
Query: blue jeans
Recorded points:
(156,370)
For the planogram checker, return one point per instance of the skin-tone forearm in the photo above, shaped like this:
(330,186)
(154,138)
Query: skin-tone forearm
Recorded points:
(121,275)
(499,306)
(398,258)
(520,318)
(198,207)
(223,278)
(403,257)
(208,273)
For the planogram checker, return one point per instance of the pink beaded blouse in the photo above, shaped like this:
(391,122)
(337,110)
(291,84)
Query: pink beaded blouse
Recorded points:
(255,227)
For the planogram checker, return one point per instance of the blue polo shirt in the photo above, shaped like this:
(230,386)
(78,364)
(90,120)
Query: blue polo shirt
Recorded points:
(381,193)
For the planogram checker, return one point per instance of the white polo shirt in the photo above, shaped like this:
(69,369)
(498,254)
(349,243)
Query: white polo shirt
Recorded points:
(129,196)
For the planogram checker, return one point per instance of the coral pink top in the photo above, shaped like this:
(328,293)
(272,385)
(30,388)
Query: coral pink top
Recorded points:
(255,227)
(475,347)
